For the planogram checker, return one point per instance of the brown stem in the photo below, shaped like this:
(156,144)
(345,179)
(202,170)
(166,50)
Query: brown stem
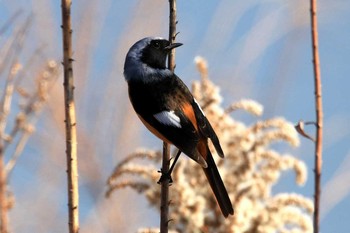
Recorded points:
(164,205)
(164,201)
(172,33)
(319,115)
(70,122)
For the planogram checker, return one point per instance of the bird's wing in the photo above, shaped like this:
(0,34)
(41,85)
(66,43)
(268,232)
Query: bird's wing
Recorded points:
(206,129)
(193,112)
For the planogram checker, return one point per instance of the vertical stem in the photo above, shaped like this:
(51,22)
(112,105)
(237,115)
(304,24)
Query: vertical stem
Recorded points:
(172,33)
(164,205)
(164,202)
(70,122)
(319,115)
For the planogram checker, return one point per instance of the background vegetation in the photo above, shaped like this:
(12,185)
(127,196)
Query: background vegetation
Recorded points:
(255,50)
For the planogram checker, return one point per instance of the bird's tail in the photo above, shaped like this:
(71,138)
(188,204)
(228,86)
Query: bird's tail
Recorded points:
(217,185)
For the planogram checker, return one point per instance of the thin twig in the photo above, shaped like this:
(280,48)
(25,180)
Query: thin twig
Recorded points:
(319,115)
(300,128)
(71,136)
(164,205)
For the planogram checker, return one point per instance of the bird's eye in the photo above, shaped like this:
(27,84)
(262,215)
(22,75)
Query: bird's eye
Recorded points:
(156,45)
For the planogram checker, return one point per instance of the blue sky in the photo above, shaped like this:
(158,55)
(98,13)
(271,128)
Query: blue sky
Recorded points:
(255,49)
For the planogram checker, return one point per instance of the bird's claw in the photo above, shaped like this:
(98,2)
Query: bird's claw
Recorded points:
(165,176)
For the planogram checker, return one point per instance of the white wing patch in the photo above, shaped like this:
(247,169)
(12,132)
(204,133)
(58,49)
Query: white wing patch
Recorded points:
(199,106)
(168,118)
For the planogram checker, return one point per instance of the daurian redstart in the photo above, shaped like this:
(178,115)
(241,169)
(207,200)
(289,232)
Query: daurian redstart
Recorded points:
(167,108)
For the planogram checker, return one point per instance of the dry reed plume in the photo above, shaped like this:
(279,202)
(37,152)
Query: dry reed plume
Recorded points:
(249,170)
(21,103)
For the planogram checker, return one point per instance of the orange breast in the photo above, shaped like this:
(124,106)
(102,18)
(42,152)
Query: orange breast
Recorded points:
(154,130)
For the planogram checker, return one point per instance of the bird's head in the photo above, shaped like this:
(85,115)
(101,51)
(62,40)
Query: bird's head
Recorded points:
(149,53)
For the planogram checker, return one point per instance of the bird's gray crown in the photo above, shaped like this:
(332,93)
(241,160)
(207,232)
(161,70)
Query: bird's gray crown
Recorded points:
(146,60)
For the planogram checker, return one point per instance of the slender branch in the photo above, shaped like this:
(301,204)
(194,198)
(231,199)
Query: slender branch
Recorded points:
(172,33)
(164,205)
(164,202)
(319,115)
(71,137)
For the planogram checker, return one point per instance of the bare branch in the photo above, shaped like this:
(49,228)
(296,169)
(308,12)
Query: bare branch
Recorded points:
(71,134)
(164,205)
(319,114)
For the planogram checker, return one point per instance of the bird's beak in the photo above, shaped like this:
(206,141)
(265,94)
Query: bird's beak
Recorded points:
(170,47)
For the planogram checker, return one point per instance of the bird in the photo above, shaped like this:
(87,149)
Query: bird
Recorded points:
(167,108)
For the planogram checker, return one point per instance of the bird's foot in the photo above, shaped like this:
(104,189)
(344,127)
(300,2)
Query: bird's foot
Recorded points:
(165,176)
